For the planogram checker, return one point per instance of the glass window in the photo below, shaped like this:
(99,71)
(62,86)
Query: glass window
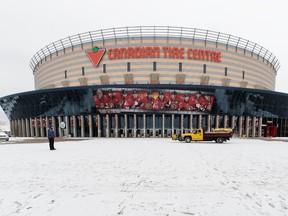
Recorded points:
(154,66)
(83,71)
(104,68)
(180,66)
(128,66)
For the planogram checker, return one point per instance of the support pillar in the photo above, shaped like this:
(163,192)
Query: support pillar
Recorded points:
(144,125)
(99,125)
(82,121)
(233,122)
(247,126)
(11,127)
(74,126)
(125,125)
(163,125)
(173,120)
(23,128)
(260,127)
(116,125)
(67,129)
(253,126)
(135,125)
(209,123)
(60,130)
(37,128)
(32,128)
(27,128)
(182,123)
(200,121)
(107,119)
(41,127)
(90,123)
(240,126)
(191,123)
(225,121)
(54,123)
(217,121)
(154,127)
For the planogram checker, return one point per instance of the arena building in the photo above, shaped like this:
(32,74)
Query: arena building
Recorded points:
(150,81)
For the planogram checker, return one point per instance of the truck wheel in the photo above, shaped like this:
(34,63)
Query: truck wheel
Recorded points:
(188,139)
(220,140)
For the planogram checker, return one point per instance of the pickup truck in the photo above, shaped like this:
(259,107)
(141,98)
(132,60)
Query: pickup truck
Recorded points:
(201,135)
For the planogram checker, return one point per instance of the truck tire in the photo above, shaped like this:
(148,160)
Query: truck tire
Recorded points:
(187,139)
(219,140)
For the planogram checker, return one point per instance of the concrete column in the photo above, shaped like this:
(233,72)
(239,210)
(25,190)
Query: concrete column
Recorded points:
(135,125)
(60,130)
(116,126)
(260,127)
(23,128)
(14,128)
(153,125)
(253,126)
(233,122)
(11,127)
(67,129)
(173,120)
(217,121)
(90,122)
(37,128)
(31,128)
(82,119)
(75,125)
(27,127)
(240,126)
(41,127)
(144,124)
(182,123)
(47,125)
(163,125)
(19,127)
(191,123)
(107,125)
(54,123)
(200,121)
(99,125)
(225,121)
(247,126)
(125,125)
(209,123)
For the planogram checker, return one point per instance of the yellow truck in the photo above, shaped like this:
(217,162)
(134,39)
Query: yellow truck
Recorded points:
(201,135)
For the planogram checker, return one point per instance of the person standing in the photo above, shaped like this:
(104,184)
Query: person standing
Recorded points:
(51,136)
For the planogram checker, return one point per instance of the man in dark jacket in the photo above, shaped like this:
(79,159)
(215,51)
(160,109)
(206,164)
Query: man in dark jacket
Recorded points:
(51,136)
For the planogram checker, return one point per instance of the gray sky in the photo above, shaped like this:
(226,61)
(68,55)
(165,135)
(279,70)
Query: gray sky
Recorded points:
(28,26)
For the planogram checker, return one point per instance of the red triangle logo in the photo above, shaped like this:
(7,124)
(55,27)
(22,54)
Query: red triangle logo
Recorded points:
(95,55)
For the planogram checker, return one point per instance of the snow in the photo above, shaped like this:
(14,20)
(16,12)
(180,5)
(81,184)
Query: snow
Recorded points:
(144,176)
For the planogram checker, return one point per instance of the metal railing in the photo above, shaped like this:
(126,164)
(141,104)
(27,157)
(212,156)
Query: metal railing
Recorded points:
(155,31)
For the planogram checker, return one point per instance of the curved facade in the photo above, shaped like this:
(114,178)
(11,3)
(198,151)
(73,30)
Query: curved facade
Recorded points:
(150,82)
(155,55)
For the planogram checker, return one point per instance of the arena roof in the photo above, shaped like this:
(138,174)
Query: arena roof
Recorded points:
(168,32)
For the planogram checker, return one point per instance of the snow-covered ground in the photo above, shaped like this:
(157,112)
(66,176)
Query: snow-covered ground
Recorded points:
(144,177)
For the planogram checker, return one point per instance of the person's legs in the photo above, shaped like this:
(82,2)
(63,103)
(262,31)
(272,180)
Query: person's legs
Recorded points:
(53,144)
(50,143)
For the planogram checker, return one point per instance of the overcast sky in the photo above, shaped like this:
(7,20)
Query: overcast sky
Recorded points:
(28,26)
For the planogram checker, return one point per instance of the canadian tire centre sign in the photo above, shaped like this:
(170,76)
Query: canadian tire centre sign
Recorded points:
(96,54)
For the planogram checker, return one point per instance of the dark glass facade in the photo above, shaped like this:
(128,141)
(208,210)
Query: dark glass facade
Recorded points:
(229,105)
